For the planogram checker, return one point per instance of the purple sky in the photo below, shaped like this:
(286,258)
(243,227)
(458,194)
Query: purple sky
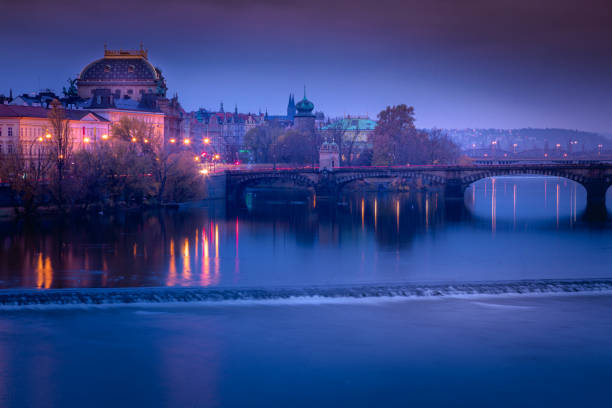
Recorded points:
(470,63)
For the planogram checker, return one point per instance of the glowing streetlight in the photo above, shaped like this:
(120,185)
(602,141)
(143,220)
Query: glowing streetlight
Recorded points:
(186,141)
(146,140)
(204,171)
(133,140)
(85,140)
(196,158)
(104,137)
(207,140)
(173,140)
(48,135)
(40,139)
(217,157)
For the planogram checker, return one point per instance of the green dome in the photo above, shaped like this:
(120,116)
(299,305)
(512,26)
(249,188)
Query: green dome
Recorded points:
(304,107)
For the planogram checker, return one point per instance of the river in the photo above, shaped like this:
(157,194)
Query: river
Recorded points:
(386,299)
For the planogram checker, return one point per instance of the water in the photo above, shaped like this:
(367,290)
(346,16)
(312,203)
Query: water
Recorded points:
(528,228)
(384,300)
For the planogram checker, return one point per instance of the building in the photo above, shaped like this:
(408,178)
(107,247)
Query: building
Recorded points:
(355,129)
(27,126)
(125,84)
(126,74)
(329,156)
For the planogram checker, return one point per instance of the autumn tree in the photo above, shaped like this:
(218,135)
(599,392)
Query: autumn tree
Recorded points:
(396,141)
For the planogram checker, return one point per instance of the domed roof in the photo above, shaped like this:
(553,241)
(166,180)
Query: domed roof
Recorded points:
(304,106)
(120,66)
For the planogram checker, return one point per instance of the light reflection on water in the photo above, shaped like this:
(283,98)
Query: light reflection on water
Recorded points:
(510,228)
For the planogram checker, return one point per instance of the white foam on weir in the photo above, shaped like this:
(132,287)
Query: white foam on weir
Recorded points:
(100,297)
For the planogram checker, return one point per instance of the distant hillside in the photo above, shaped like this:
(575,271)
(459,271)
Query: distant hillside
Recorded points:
(527,138)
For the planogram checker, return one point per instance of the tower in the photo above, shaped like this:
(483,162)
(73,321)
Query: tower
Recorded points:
(304,120)
(291,107)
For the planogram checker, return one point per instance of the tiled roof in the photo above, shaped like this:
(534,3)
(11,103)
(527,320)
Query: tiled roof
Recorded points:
(16,111)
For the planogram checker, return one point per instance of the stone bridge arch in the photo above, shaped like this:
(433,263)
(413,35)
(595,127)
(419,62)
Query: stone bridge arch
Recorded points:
(236,184)
(430,179)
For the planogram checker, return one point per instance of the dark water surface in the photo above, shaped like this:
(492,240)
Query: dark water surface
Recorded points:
(385,300)
(509,229)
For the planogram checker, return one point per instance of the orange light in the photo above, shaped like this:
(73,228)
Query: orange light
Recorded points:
(48,135)
(186,141)
(204,171)
(133,140)
(40,139)
(85,140)
(173,140)
(146,140)
(104,137)
(207,140)
(196,158)
(217,157)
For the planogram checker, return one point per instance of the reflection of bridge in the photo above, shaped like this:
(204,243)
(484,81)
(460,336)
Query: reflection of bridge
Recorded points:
(596,177)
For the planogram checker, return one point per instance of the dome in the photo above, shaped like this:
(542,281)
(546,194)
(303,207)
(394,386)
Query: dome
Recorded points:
(119,69)
(304,107)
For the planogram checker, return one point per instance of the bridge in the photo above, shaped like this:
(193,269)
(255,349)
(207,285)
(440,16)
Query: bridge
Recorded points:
(596,177)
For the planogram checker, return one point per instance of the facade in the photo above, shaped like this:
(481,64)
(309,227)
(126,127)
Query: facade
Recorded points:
(329,156)
(29,127)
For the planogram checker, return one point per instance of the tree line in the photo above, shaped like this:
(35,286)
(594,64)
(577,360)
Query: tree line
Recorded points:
(394,141)
(130,168)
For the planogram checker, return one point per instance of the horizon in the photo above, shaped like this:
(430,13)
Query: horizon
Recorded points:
(502,66)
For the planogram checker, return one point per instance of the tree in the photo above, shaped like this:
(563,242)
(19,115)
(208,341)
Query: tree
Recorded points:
(60,150)
(396,141)
(439,148)
(339,133)
(261,142)
(297,147)
(25,169)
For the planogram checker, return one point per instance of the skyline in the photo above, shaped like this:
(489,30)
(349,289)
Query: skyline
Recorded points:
(508,65)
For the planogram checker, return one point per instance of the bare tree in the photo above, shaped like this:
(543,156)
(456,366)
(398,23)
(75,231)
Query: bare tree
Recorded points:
(61,150)
(26,169)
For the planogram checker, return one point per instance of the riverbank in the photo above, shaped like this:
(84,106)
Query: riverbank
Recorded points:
(495,351)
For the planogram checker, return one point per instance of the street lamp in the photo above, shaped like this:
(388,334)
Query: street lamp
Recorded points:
(173,140)
(206,140)
(85,140)
(105,137)
(186,141)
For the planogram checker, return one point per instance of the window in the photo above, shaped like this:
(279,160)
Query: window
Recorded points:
(9,148)
(107,68)
(130,91)
(0,130)
(10,132)
(131,68)
(0,148)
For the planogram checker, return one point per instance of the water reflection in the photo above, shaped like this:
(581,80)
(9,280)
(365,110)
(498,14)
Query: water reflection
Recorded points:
(365,238)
